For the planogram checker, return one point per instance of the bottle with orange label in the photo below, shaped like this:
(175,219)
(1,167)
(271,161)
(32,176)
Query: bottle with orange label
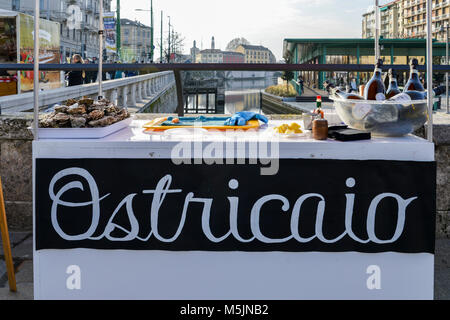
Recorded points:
(318,111)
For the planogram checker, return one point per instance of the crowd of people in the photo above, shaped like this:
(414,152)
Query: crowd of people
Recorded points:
(78,77)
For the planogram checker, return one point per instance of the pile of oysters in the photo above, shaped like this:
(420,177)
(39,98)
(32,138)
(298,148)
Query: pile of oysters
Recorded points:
(84,113)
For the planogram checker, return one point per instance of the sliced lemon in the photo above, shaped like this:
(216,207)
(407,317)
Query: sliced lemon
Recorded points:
(294,126)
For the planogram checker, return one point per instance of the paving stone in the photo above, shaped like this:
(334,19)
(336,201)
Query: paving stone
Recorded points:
(442,270)
(2,270)
(24,292)
(24,272)
(15,238)
(24,250)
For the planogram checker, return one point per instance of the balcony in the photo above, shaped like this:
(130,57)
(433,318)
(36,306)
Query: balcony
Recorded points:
(89,7)
(442,17)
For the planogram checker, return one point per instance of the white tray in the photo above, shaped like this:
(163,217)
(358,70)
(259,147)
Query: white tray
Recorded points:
(82,133)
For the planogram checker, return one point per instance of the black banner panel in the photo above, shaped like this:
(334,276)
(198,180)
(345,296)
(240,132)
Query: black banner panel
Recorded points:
(309,205)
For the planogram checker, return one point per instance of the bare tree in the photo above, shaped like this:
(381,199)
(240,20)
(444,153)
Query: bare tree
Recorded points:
(235,43)
(176,45)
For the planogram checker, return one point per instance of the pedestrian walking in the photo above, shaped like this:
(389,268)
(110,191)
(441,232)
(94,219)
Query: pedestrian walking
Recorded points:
(119,73)
(301,82)
(75,77)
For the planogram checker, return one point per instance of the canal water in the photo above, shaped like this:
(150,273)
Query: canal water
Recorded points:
(240,95)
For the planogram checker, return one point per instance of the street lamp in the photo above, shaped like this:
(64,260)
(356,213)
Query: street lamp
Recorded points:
(168,55)
(377,31)
(446,62)
(151,28)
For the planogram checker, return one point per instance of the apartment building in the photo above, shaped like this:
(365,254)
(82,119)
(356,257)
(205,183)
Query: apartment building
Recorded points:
(407,19)
(256,54)
(83,39)
(415,18)
(136,41)
(390,21)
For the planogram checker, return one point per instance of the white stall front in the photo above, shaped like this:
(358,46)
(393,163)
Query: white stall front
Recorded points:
(233,216)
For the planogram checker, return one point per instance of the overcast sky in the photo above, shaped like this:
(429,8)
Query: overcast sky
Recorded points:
(262,22)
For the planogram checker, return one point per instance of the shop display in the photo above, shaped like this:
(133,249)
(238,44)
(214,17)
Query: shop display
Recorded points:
(391,114)
(84,113)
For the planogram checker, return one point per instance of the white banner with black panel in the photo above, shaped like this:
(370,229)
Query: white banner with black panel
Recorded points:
(120,219)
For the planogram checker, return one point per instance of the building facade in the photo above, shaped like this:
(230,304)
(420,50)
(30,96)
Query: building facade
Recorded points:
(194,52)
(209,56)
(136,41)
(407,19)
(390,21)
(415,18)
(242,54)
(256,54)
(233,57)
(356,51)
(83,39)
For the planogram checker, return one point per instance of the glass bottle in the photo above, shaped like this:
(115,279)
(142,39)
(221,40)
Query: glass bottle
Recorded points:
(414,83)
(393,89)
(375,89)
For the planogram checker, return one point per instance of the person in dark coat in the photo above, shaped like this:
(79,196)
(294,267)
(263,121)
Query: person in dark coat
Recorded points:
(75,77)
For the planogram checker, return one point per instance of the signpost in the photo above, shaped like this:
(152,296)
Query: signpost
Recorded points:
(377,31)
(100,63)
(430,96)
(118,32)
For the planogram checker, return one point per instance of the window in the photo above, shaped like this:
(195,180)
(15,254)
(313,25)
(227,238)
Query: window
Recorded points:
(15,6)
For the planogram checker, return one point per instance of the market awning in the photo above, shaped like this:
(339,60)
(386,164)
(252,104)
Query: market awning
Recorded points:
(8,13)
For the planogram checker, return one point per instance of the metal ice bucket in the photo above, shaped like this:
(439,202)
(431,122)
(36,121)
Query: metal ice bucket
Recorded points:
(382,118)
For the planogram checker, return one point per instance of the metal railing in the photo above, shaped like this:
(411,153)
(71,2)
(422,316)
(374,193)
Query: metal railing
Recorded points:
(127,91)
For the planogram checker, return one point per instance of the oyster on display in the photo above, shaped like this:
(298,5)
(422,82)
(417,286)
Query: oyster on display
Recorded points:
(84,113)
(96,115)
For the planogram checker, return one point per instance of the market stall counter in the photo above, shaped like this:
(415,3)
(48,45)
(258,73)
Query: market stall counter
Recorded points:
(193,214)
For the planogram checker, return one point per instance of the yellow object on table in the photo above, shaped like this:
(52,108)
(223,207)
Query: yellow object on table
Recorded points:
(293,128)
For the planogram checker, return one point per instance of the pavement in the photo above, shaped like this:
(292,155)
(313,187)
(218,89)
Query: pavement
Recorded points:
(22,250)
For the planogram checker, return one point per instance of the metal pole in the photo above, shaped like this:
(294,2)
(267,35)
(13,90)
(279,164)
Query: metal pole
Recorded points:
(36,69)
(152,33)
(430,71)
(162,39)
(168,55)
(446,74)
(377,31)
(179,86)
(100,62)
(118,31)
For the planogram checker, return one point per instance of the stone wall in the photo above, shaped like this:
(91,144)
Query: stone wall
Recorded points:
(441,138)
(16,170)
(166,103)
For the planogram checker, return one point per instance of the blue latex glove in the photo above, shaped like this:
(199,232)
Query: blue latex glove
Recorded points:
(241,118)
